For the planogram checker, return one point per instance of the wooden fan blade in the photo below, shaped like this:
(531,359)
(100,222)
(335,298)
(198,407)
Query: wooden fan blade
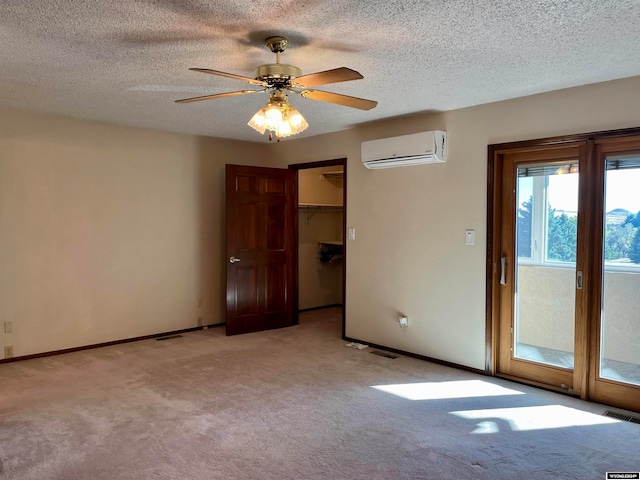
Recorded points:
(218,95)
(230,75)
(341,74)
(347,101)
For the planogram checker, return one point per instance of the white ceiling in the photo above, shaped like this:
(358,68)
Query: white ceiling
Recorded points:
(126,62)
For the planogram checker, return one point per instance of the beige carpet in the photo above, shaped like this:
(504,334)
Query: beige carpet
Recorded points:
(290,404)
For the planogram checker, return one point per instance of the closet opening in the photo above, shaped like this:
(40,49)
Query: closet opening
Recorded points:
(320,257)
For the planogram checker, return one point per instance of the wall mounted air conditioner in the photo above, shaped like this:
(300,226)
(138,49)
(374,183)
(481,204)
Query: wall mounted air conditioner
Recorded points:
(405,150)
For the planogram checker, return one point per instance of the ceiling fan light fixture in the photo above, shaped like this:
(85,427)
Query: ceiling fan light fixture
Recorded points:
(278,117)
(273,113)
(259,121)
(296,120)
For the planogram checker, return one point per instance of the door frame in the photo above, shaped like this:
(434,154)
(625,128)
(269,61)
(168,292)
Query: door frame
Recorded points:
(493,254)
(303,166)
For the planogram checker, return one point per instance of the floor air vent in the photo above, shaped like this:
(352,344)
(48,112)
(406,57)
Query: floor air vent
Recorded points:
(622,416)
(384,354)
(169,337)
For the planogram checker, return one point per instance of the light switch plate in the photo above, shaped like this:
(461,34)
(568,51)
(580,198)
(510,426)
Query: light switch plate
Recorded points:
(352,233)
(469,237)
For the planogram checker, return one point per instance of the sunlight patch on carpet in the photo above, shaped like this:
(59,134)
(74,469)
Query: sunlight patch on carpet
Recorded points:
(531,418)
(443,390)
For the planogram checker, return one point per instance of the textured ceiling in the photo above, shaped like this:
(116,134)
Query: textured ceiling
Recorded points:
(126,62)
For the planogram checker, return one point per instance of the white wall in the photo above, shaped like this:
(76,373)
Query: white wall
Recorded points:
(108,232)
(409,255)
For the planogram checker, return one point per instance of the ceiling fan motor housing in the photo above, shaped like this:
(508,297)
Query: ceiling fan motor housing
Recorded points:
(276,73)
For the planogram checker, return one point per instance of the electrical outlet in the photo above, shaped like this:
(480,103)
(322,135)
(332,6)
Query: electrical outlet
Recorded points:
(8,327)
(404,321)
(200,322)
(8,351)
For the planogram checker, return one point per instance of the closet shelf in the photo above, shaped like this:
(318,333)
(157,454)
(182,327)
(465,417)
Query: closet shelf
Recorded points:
(312,208)
(338,174)
(320,206)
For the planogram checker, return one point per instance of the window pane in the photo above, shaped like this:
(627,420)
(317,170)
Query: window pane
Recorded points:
(622,206)
(620,326)
(562,217)
(525,217)
(545,294)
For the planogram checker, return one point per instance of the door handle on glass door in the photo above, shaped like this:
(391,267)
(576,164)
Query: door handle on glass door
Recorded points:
(233,259)
(503,271)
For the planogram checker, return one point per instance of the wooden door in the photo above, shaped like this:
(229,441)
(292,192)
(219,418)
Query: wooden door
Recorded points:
(614,374)
(260,220)
(539,301)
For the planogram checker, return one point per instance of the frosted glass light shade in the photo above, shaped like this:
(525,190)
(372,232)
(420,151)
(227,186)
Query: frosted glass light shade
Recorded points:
(279,118)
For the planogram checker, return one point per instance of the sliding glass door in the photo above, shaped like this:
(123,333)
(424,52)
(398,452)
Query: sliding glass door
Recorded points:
(615,367)
(565,267)
(538,265)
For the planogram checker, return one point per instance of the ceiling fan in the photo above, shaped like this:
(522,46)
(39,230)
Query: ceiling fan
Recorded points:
(278,117)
